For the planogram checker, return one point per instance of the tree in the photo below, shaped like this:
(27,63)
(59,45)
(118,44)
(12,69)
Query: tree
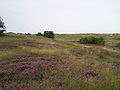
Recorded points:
(48,34)
(2,26)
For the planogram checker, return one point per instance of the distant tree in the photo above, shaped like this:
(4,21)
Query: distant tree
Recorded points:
(39,34)
(2,27)
(49,34)
(27,34)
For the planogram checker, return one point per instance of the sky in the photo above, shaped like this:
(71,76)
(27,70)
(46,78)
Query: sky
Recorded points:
(61,16)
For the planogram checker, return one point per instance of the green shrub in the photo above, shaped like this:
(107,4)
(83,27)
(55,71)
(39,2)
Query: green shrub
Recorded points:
(118,45)
(92,40)
(39,34)
(48,34)
(27,34)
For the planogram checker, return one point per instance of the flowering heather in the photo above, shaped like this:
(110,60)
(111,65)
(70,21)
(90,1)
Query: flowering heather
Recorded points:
(28,67)
(116,55)
(78,52)
(116,63)
(89,74)
(33,43)
(17,86)
(6,74)
(29,72)
(113,54)
(35,61)
(107,52)
(59,84)
(8,46)
(32,58)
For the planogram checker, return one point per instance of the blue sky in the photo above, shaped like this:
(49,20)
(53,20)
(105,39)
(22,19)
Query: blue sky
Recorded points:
(61,16)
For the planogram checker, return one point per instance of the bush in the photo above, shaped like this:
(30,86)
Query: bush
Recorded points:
(39,34)
(48,34)
(118,45)
(92,40)
(27,34)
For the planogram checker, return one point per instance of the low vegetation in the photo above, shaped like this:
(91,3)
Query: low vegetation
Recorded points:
(37,63)
(92,40)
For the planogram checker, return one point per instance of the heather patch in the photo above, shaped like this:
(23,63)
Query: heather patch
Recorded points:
(8,46)
(34,57)
(109,53)
(59,84)
(116,63)
(29,67)
(6,74)
(78,52)
(30,43)
(33,43)
(116,55)
(89,75)
(17,86)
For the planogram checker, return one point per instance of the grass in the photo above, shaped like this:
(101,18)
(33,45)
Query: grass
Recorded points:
(62,63)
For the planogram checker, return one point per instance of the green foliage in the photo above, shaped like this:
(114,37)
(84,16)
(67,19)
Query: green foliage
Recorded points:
(2,27)
(92,40)
(118,45)
(39,34)
(2,31)
(48,34)
(27,34)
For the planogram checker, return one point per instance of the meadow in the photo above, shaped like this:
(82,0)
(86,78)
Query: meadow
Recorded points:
(29,62)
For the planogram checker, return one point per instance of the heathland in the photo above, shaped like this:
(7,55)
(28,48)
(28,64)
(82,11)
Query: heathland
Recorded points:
(29,62)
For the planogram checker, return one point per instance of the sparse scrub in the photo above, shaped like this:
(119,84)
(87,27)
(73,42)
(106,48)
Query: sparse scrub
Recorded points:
(92,40)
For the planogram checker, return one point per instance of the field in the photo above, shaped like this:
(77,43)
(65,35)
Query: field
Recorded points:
(29,62)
